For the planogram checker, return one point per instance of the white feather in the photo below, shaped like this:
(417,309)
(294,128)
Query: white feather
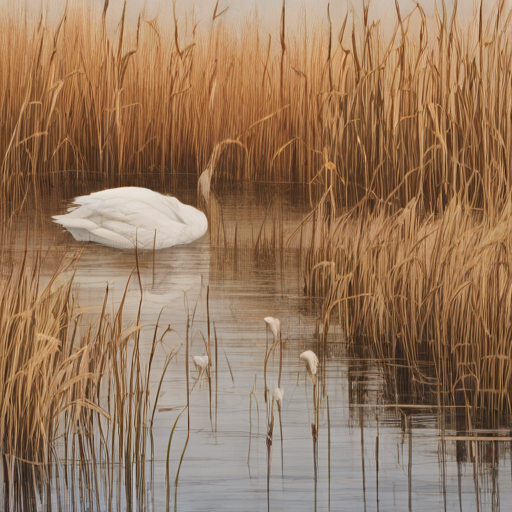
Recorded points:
(201,362)
(128,216)
(278,395)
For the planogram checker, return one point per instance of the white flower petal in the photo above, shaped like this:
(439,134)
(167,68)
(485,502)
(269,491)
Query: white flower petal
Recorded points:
(201,362)
(278,395)
(309,357)
(274,324)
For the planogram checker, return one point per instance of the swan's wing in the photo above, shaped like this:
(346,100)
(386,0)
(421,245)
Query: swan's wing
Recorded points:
(74,222)
(85,230)
(124,235)
(127,216)
(146,238)
(135,202)
(118,226)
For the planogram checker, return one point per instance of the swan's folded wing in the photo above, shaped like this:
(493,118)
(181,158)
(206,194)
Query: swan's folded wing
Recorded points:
(84,230)
(140,204)
(74,222)
(132,216)
(110,238)
(135,213)
(173,233)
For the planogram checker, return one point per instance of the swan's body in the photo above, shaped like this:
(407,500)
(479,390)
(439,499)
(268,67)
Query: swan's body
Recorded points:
(132,216)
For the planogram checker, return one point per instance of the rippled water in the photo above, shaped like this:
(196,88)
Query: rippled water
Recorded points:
(379,457)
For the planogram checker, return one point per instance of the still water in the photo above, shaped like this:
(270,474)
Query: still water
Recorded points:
(372,454)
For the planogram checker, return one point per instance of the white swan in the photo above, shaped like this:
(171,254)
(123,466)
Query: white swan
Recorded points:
(128,216)
(132,216)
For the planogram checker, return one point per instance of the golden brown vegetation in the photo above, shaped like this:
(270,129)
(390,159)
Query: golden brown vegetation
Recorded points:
(412,115)
(420,265)
(407,136)
(75,403)
(435,294)
(42,373)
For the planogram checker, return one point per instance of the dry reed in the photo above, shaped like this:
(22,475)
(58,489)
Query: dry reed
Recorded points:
(406,139)
(412,115)
(75,408)
(44,376)
(433,292)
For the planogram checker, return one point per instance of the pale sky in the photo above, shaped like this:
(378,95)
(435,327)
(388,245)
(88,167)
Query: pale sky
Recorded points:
(269,10)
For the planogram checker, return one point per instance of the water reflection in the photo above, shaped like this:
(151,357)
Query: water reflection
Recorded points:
(383,441)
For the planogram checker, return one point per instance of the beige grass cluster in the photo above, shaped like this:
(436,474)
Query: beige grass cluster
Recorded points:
(74,397)
(45,375)
(434,292)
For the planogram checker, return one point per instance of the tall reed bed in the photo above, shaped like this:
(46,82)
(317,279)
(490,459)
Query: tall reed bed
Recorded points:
(423,112)
(75,408)
(433,294)
(42,378)
(383,127)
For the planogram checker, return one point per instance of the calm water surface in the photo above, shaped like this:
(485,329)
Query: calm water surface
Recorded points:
(381,457)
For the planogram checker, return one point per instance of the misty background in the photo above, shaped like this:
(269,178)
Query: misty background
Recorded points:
(299,13)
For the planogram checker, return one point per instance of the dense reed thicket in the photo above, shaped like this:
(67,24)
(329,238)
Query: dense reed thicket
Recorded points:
(75,408)
(420,265)
(433,294)
(423,112)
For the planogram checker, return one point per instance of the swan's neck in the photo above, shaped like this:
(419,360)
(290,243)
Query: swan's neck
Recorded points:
(203,185)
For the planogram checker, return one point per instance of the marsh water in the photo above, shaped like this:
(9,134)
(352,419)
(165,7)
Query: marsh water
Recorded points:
(374,453)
